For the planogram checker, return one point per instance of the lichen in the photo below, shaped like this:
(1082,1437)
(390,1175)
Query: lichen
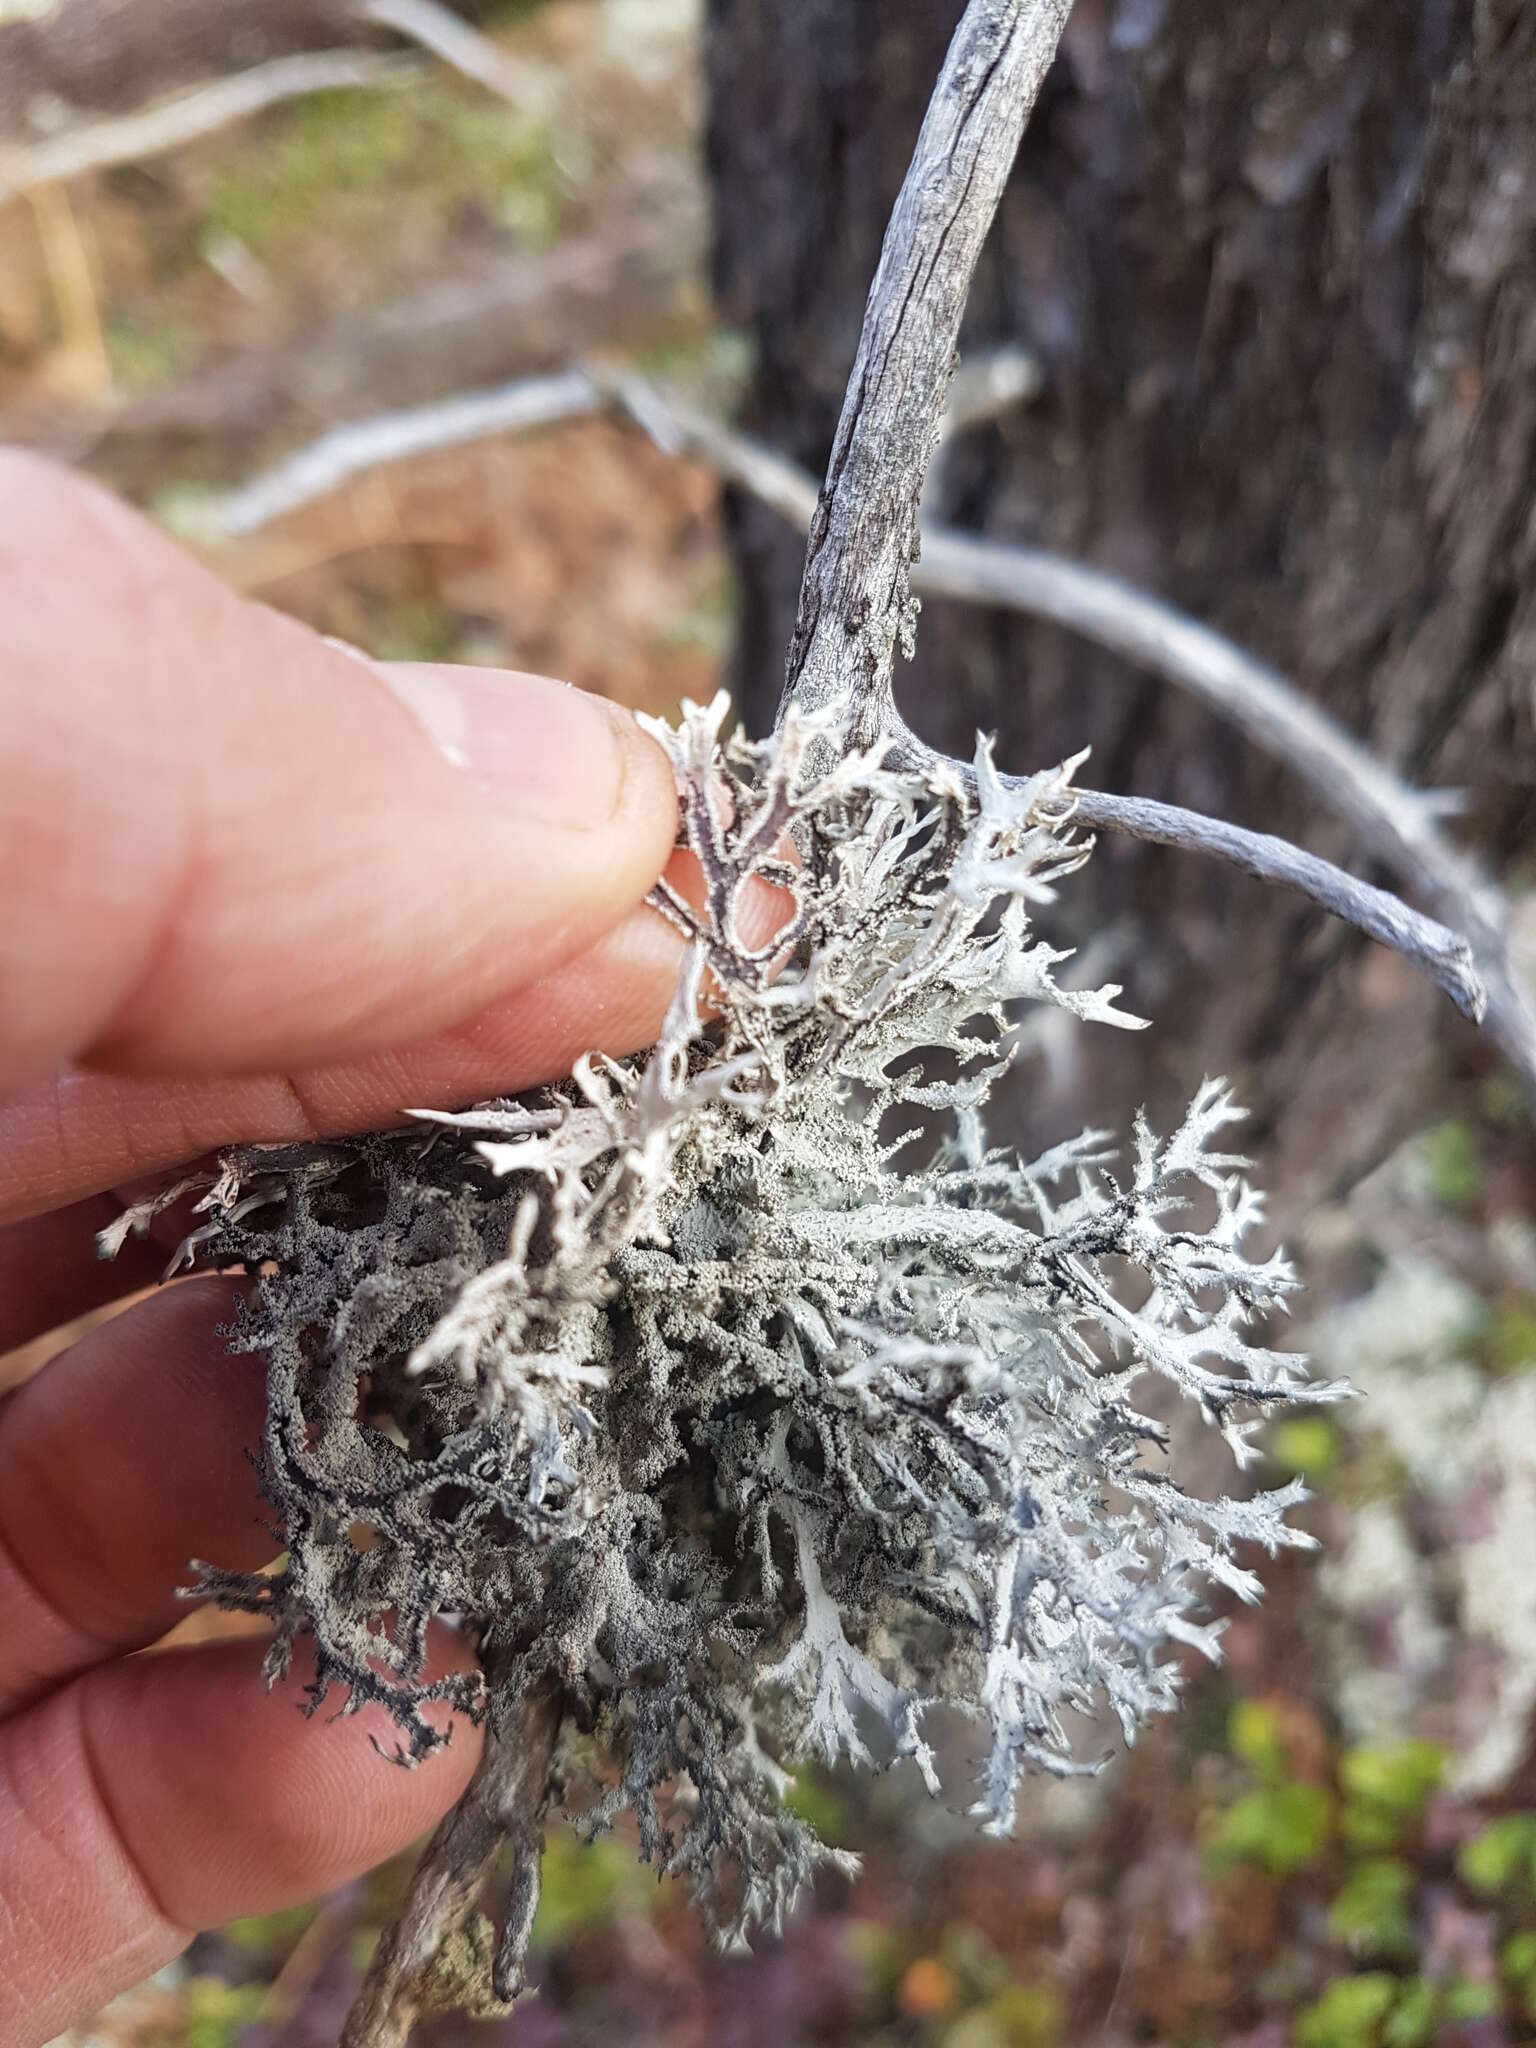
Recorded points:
(740,1386)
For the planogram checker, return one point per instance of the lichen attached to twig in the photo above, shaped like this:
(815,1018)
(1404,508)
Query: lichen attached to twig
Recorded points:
(740,1390)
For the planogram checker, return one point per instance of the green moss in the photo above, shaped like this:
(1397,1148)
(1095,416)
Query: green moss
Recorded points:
(1373,1914)
(1349,2013)
(1453,1164)
(1386,1788)
(1502,1857)
(146,357)
(1282,1828)
(348,161)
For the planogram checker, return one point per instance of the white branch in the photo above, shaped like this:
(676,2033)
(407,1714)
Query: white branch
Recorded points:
(1398,823)
(462,47)
(313,472)
(187,117)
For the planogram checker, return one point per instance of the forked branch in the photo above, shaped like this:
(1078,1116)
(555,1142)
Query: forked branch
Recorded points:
(1398,822)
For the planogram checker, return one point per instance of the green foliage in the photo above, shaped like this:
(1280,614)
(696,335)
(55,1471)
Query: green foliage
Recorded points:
(1517,1959)
(1377,2010)
(214,2013)
(1466,2001)
(1453,1164)
(1502,1857)
(326,157)
(1287,1823)
(1373,1914)
(1511,1340)
(1019,2016)
(1254,1733)
(1386,1788)
(584,1885)
(1308,1444)
(1349,2014)
(1413,2020)
(146,357)
(417,629)
(813,1798)
(270,1934)
(1283,1828)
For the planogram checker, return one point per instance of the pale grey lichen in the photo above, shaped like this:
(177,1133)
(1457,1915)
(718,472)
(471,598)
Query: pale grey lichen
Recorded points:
(739,1387)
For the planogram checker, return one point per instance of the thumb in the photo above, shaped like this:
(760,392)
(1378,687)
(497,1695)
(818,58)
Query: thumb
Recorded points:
(228,844)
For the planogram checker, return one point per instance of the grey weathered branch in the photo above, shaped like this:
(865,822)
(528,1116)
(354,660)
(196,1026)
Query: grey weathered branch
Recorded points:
(1399,824)
(465,49)
(1441,953)
(188,116)
(313,472)
(168,124)
(856,598)
(856,603)
(1233,683)
(417,1964)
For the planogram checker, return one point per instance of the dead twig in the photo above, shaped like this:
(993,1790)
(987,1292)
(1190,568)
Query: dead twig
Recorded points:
(856,602)
(1438,951)
(415,1967)
(364,446)
(461,46)
(186,117)
(1233,683)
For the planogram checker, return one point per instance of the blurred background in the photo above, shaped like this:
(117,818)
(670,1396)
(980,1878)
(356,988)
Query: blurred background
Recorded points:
(1264,293)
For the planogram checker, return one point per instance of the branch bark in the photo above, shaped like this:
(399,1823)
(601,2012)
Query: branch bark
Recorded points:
(1235,684)
(1444,955)
(504,1803)
(856,602)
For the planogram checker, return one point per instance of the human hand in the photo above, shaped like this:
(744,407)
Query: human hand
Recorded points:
(244,894)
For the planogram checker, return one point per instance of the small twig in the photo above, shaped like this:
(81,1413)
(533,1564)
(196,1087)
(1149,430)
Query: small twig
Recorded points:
(463,47)
(504,1803)
(1399,824)
(1110,612)
(855,600)
(187,117)
(989,386)
(325,465)
(1442,954)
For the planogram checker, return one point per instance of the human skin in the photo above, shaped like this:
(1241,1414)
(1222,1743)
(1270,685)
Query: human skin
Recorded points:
(252,887)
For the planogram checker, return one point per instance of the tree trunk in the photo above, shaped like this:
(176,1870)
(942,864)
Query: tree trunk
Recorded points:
(1279,261)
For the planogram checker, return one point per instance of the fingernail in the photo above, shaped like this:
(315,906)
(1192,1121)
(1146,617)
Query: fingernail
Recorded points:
(538,746)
